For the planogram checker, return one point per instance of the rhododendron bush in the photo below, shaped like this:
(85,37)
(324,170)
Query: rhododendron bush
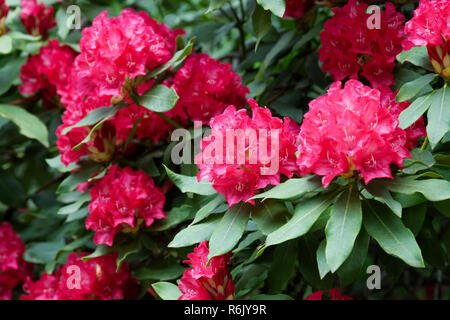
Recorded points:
(221,150)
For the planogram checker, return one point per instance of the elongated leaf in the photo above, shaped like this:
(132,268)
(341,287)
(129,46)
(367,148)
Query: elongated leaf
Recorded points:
(306,213)
(262,22)
(215,4)
(190,184)
(324,268)
(167,290)
(230,229)
(432,189)
(173,217)
(5,44)
(95,116)
(269,215)
(411,89)
(417,56)
(125,250)
(415,111)
(292,188)
(159,98)
(195,233)
(205,211)
(276,6)
(343,228)
(351,268)
(439,116)
(389,231)
(29,125)
(381,193)
(283,266)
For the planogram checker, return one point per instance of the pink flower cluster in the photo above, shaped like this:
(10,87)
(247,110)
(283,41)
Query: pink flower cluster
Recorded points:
(95,279)
(13,269)
(350,47)
(297,8)
(37,18)
(349,130)
(244,154)
(206,87)
(416,130)
(47,70)
(206,282)
(123,199)
(430,27)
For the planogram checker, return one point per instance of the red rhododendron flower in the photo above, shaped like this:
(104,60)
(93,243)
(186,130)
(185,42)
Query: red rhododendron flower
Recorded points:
(335,295)
(13,269)
(297,8)
(349,130)
(244,154)
(115,51)
(206,282)
(47,70)
(206,87)
(350,47)
(413,132)
(3,13)
(95,279)
(431,27)
(123,198)
(37,18)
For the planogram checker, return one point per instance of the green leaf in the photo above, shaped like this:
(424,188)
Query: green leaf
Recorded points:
(77,177)
(96,116)
(158,99)
(166,290)
(215,4)
(420,160)
(100,251)
(262,22)
(11,190)
(381,193)
(5,44)
(125,250)
(29,125)
(213,202)
(418,56)
(351,268)
(343,228)
(324,268)
(292,188)
(389,231)
(230,229)
(161,272)
(10,71)
(62,21)
(74,207)
(411,89)
(177,58)
(195,233)
(42,252)
(416,109)
(278,7)
(190,184)
(305,214)
(414,217)
(432,189)
(269,216)
(439,116)
(283,266)
(173,217)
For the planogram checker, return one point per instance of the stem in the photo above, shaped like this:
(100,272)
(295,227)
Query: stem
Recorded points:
(168,120)
(425,144)
(240,26)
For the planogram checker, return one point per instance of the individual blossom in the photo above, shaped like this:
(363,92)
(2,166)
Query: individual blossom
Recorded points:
(413,132)
(13,269)
(334,293)
(244,154)
(205,281)
(123,200)
(94,279)
(118,50)
(47,71)
(206,87)
(3,14)
(430,27)
(348,132)
(353,45)
(297,8)
(37,18)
